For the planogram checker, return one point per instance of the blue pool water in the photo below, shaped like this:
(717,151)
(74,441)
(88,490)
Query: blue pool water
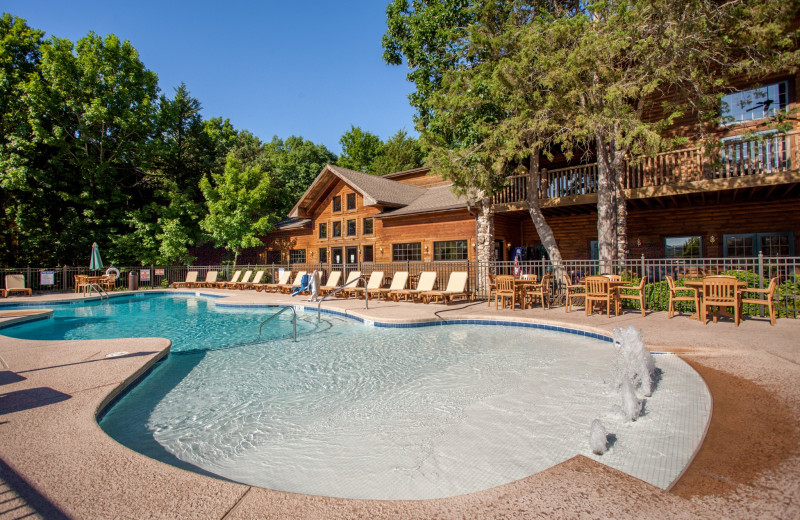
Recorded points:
(357,411)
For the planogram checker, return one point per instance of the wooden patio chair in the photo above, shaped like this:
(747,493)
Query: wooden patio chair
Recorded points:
(15,283)
(235,278)
(191,277)
(540,291)
(755,296)
(374,283)
(598,289)
(210,281)
(492,288)
(505,289)
(427,279)
(251,284)
(233,284)
(109,282)
(287,288)
(399,281)
(351,277)
(456,288)
(331,284)
(720,291)
(574,291)
(681,294)
(283,279)
(81,282)
(637,293)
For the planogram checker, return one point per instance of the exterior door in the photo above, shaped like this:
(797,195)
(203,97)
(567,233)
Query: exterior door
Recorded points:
(336,256)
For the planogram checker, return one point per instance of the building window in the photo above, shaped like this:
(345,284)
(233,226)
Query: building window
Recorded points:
(337,203)
(337,229)
(755,103)
(367,226)
(351,228)
(450,250)
(683,247)
(323,230)
(751,244)
(323,255)
(407,252)
(367,254)
(351,201)
(297,256)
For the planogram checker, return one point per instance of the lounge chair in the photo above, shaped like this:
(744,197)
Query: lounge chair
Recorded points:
(16,283)
(250,285)
(354,275)
(373,283)
(289,287)
(283,279)
(210,281)
(426,282)
(235,283)
(331,284)
(234,279)
(456,288)
(399,281)
(191,277)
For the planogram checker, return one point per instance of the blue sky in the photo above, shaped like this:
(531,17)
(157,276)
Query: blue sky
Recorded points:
(309,68)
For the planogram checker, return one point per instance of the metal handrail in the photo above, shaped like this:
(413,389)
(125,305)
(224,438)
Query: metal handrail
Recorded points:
(294,320)
(351,282)
(97,287)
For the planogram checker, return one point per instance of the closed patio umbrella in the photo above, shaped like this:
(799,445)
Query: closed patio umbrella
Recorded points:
(96,262)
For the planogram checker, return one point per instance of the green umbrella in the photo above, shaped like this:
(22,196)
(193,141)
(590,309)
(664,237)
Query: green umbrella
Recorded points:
(96,262)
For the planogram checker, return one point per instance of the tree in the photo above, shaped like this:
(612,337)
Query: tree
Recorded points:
(359,149)
(241,206)
(397,154)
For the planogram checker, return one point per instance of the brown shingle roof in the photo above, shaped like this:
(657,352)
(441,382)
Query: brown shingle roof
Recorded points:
(440,198)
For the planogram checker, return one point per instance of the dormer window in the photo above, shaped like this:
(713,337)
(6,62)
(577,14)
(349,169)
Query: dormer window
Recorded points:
(337,203)
(755,103)
(351,201)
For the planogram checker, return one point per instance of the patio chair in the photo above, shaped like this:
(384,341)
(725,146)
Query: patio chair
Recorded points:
(427,279)
(505,289)
(540,291)
(574,291)
(81,282)
(456,288)
(681,294)
(234,279)
(210,281)
(289,287)
(233,284)
(399,281)
(598,289)
(349,282)
(748,295)
(283,279)
(250,285)
(15,283)
(109,282)
(331,284)
(374,283)
(637,293)
(721,292)
(492,288)
(191,277)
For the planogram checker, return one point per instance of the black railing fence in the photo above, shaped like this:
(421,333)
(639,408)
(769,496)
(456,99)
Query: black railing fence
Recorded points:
(756,271)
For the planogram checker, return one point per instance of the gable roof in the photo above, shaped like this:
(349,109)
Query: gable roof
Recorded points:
(377,191)
(439,198)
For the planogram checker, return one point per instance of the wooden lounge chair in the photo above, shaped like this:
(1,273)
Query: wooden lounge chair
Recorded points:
(681,294)
(637,293)
(722,292)
(289,287)
(574,291)
(426,282)
(210,281)
(540,291)
(748,295)
(456,288)
(331,284)
(399,281)
(505,289)
(191,277)
(233,284)
(234,279)
(351,277)
(15,283)
(374,283)
(250,285)
(598,289)
(283,279)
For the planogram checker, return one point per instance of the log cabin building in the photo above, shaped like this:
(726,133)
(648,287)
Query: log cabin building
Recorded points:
(740,201)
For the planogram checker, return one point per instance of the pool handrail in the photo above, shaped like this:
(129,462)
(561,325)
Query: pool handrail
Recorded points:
(351,282)
(97,287)
(294,320)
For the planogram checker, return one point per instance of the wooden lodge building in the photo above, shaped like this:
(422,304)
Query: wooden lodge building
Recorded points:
(742,201)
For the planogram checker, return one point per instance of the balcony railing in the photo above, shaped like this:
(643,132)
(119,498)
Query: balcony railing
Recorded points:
(761,155)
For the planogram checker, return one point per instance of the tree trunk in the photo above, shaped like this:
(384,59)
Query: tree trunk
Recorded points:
(543,229)
(606,208)
(484,239)
(621,215)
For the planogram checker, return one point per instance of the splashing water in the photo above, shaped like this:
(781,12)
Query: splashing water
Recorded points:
(635,370)
(598,438)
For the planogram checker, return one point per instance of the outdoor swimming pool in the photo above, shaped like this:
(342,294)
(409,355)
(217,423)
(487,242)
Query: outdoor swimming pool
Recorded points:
(358,411)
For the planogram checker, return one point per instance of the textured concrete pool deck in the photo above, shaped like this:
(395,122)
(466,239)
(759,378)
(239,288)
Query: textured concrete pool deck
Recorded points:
(57,462)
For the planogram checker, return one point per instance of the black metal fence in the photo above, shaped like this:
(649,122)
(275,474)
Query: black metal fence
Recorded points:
(756,271)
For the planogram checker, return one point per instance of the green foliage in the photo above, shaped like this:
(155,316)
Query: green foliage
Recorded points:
(397,154)
(359,149)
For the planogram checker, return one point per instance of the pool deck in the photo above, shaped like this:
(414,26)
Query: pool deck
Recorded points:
(56,462)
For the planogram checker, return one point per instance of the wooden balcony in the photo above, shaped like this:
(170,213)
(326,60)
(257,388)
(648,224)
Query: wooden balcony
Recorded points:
(770,160)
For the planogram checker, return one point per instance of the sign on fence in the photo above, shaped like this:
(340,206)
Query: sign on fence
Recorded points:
(159,272)
(47,278)
(144,275)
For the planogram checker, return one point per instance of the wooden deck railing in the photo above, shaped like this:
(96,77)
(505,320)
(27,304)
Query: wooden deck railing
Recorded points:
(736,158)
